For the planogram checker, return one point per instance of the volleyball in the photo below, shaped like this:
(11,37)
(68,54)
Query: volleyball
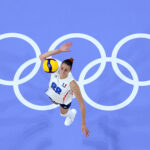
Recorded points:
(50,65)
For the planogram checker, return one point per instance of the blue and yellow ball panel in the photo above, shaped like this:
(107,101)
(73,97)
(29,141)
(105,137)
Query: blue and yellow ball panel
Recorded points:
(50,65)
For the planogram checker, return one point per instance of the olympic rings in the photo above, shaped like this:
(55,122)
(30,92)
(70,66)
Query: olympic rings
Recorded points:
(89,38)
(103,59)
(37,51)
(115,52)
(114,107)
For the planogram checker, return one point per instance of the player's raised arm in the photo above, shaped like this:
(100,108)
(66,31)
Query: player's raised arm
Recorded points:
(63,48)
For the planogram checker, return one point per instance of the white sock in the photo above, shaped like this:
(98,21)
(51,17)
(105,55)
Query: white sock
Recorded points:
(68,114)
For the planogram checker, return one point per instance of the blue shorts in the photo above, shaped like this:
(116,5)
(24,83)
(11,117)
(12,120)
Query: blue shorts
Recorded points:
(62,105)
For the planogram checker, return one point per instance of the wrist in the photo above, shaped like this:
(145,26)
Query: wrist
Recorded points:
(57,50)
(83,124)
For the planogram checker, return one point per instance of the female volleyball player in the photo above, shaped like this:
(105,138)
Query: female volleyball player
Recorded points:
(62,87)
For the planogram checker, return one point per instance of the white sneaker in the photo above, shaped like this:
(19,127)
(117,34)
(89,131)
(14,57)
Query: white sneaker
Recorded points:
(69,120)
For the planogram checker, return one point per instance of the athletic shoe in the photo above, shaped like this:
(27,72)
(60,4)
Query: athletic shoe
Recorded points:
(70,119)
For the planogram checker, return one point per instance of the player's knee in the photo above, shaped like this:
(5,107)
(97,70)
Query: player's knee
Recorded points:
(63,112)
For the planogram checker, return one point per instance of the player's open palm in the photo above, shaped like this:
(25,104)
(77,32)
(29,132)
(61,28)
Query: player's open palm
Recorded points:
(65,47)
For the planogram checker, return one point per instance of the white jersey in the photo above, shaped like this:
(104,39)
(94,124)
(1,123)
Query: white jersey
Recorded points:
(59,89)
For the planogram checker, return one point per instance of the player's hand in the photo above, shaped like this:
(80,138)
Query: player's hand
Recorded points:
(85,130)
(65,47)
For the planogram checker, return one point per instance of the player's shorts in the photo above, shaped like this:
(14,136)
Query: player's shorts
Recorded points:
(62,105)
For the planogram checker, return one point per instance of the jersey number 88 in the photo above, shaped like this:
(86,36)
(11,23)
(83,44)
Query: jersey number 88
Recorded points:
(55,88)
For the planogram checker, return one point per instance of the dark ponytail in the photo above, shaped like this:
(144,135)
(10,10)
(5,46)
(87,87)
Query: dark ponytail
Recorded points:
(69,62)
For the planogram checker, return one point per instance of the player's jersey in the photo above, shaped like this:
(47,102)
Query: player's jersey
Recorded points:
(59,89)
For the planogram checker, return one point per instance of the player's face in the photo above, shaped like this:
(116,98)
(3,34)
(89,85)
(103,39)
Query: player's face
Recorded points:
(64,70)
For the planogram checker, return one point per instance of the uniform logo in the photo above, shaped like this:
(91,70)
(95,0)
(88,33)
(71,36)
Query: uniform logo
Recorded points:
(64,85)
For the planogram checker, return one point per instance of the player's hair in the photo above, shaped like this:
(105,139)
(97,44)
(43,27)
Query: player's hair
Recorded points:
(69,62)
